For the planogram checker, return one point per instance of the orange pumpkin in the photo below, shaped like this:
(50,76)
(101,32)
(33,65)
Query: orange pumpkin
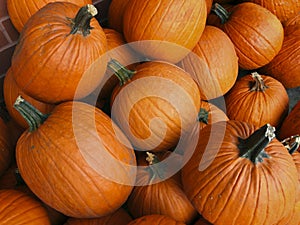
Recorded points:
(155,220)
(20,11)
(256,41)
(238,173)
(158,191)
(166,31)
(17,207)
(213,63)
(156,106)
(119,217)
(91,162)
(61,60)
(257,99)
(115,14)
(11,92)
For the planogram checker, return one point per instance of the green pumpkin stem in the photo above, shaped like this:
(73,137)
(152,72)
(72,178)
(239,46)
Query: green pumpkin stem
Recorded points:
(258,84)
(252,148)
(203,116)
(123,74)
(221,12)
(33,116)
(81,22)
(153,160)
(291,143)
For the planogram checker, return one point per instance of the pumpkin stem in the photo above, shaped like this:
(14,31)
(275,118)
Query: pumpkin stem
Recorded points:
(221,12)
(152,160)
(123,74)
(81,22)
(258,84)
(203,116)
(253,147)
(33,116)
(291,143)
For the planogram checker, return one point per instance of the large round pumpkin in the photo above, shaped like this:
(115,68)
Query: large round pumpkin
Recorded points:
(155,220)
(157,191)
(256,41)
(17,207)
(156,106)
(76,160)
(119,217)
(20,11)
(164,30)
(257,99)
(239,173)
(6,147)
(213,63)
(11,91)
(58,56)
(285,65)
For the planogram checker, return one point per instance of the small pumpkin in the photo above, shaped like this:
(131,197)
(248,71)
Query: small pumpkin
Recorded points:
(257,99)
(213,63)
(11,92)
(155,220)
(159,192)
(115,14)
(119,217)
(6,147)
(76,160)
(256,41)
(166,31)
(20,11)
(286,63)
(238,173)
(60,54)
(17,207)
(291,124)
(156,105)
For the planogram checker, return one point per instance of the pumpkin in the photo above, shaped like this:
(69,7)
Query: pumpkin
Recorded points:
(6,147)
(76,160)
(58,56)
(164,30)
(291,124)
(256,41)
(159,190)
(17,207)
(238,173)
(213,63)
(209,113)
(286,63)
(119,217)
(115,14)
(11,92)
(260,99)
(20,11)
(156,105)
(155,220)
(282,9)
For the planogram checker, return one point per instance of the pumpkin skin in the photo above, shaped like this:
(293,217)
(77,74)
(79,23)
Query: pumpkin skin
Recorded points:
(225,183)
(164,30)
(6,147)
(286,63)
(115,14)
(291,124)
(256,41)
(20,11)
(156,194)
(264,101)
(52,65)
(213,63)
(158,90)
(155,220)
(282,9)
(119,217)
(17,207)
(11,92)
(70,140)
